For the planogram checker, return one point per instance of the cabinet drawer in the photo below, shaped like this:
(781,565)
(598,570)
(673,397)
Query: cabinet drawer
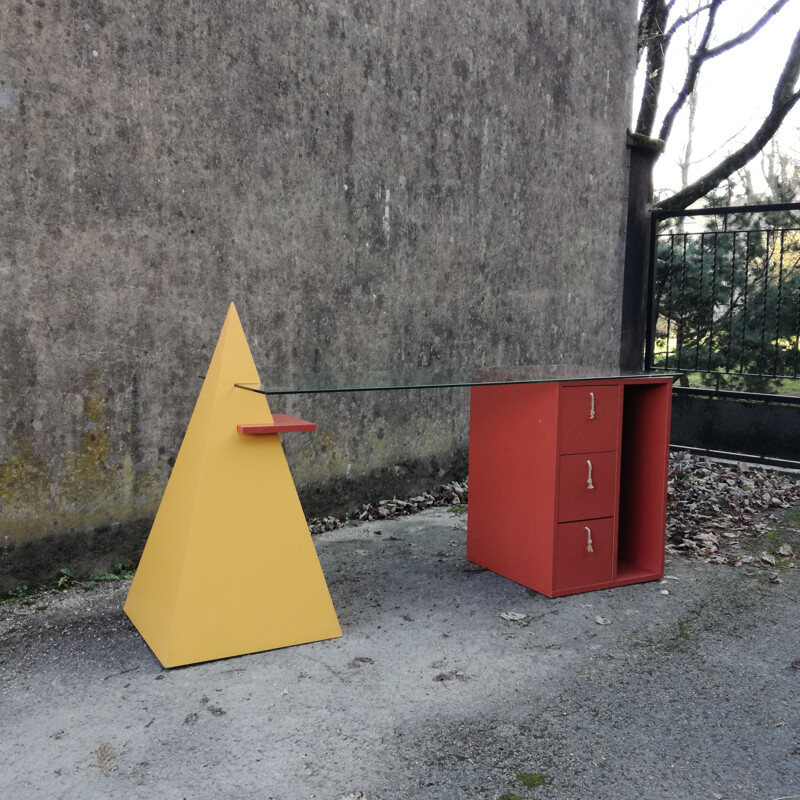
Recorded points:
(587,486)
(589,418)
(575,565)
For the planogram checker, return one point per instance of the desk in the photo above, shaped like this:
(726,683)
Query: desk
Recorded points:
(568,471)
(567,467)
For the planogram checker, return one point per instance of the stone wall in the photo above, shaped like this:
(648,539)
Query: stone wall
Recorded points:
(374,184)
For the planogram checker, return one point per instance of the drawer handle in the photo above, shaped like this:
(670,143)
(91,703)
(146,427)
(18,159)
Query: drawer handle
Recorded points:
(589,548)
(591,410)
(589,484)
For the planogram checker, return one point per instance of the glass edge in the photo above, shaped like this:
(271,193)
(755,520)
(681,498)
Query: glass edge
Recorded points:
(386,387)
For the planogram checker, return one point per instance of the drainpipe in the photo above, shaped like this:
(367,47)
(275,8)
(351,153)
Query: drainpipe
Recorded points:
(637,282)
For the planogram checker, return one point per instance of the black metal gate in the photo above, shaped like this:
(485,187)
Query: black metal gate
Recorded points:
(725,312)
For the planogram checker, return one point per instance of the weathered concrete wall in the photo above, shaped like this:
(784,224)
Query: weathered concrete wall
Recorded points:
(377,183)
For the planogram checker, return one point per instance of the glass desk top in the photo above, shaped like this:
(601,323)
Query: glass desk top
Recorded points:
(371,381)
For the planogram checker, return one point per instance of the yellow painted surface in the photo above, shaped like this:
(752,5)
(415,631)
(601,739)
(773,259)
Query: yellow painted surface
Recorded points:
(229,567)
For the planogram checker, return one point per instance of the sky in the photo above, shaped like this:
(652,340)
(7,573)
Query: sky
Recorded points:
(735,89)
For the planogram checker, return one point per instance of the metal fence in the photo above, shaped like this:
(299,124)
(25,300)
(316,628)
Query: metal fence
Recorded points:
(725,303)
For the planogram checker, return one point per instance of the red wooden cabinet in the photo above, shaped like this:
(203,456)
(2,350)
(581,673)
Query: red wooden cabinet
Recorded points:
(568,482)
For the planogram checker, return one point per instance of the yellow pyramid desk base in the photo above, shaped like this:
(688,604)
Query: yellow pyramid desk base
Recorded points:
(229,566)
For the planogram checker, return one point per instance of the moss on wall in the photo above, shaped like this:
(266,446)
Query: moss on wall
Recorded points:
(94,484)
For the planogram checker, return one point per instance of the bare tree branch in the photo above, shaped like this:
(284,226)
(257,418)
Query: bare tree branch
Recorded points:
(748,34)
(655,34)
(704,53)
(692,71)
(648,29)
(688,17)
(784,99)
(653,39)
(652,23)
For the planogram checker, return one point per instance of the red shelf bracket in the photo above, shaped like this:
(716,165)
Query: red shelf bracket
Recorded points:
(282,423)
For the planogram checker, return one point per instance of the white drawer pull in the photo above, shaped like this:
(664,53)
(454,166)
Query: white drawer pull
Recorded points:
(589,484)
(591,410)
(589,548)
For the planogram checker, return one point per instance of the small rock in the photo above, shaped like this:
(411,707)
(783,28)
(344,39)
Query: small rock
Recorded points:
(513,616)
(358,661)
(454,674)
(602,621)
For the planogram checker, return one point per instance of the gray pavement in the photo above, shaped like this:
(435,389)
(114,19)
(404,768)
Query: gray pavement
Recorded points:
(429,693)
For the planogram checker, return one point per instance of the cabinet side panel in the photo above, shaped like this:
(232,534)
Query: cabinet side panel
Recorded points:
(643,477)
(512,465)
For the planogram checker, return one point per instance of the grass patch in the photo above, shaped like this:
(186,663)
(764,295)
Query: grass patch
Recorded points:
(65,581)
(791,518)
(14,595)
(458,509)
(121,572)
(531,779)
(681,638)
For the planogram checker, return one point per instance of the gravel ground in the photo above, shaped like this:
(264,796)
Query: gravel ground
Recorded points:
(449,682)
